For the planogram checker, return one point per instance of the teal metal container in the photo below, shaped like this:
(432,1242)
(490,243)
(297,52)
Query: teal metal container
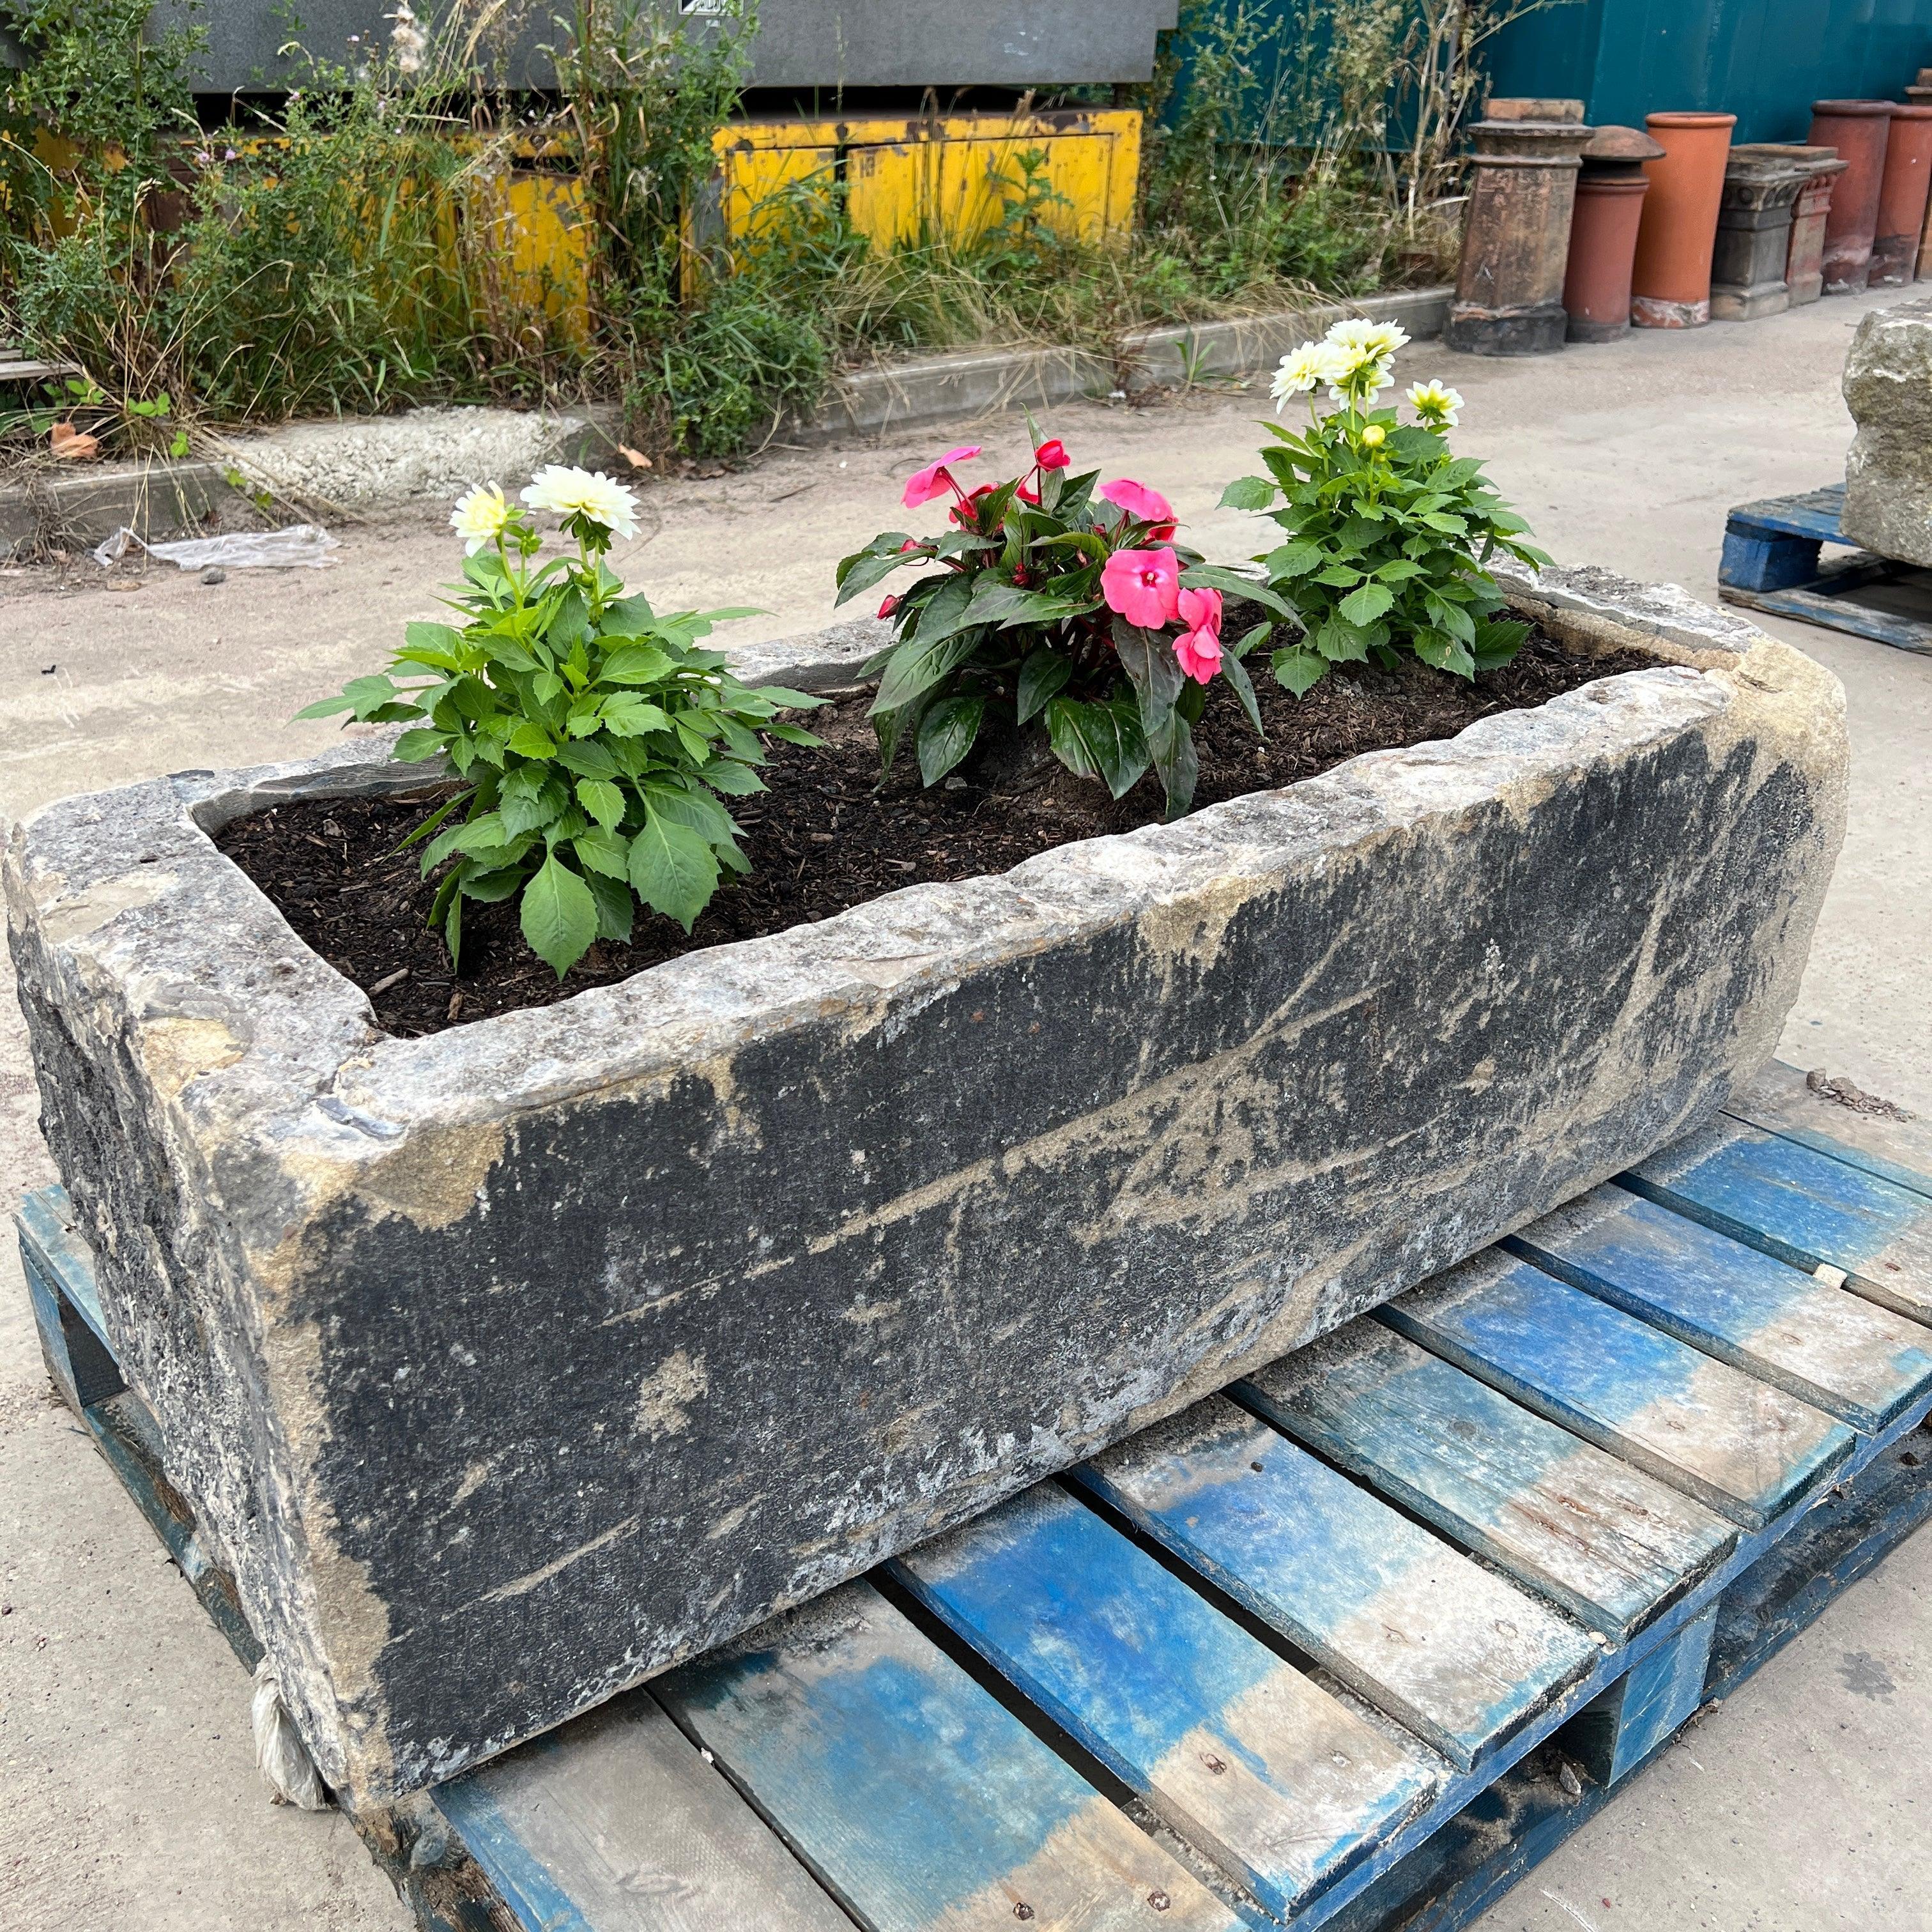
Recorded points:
(1765,61)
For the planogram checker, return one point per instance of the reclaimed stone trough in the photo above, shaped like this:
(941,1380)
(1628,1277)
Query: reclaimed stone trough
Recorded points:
(507,1366)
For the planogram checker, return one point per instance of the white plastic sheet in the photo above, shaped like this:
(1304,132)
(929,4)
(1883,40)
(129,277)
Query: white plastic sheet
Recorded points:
(280,1756)
(301,546)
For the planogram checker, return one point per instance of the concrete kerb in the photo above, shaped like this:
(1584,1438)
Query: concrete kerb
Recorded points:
(975,383)
(158,499)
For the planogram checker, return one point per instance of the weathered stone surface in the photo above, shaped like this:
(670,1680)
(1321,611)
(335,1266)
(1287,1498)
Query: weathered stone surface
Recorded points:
(1888,472)
(512,1365)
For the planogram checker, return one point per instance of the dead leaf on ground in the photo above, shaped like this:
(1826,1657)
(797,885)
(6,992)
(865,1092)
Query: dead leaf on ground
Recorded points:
(636,458)
(73,445)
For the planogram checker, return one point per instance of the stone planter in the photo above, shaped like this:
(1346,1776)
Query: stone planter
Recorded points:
(506,1367)
(1889,468)
(1516,230)
(1753,238)
(1819,169)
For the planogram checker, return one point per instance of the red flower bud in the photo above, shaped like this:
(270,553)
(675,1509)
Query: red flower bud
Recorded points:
(1027,496)
(886,609)
(1052,454)
(963,513)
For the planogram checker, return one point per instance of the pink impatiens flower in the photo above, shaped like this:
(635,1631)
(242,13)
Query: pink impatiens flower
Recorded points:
(1138,500)
(1052,454)
(1199,646)
(1142,586)
(935,480)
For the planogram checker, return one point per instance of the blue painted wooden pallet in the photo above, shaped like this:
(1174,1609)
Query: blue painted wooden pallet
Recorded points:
(1770,562)
(1311,1653)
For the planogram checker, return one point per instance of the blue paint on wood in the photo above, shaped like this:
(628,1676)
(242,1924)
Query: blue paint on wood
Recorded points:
(1756,558)
(1457,1655)
(1868,1160)
(1788,1200)
(1611,1546)
(529,1887)
(1864,1364)
(1059,1597)
(1646,1705)
(1611,1378)
(1156,1682)
(45,1220)
(904,1785)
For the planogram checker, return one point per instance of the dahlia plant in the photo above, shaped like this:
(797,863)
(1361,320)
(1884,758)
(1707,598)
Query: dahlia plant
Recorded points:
(1388,533)
(596,741)
(1051,605)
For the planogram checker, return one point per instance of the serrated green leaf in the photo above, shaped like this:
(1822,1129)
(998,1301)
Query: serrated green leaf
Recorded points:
(558,915)
(602,851)
(1292,560)
(734,780)
(1444,652)
(1363,606)
(672,869)
(529,740)
(636,664)
(604,801)
(1340,641)
(945,735)
(615,907)
(489,887)
(1248,493)
(325,707)
(413,747)
(1298,670)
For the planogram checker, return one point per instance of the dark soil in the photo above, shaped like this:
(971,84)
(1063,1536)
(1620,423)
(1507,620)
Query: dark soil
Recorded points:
(826,835)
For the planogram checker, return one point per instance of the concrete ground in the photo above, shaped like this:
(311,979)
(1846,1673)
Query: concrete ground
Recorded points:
(125,1749)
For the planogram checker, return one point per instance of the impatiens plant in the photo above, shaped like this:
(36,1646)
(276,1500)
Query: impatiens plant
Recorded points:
(594,739)
(1387,532)
(1051,605)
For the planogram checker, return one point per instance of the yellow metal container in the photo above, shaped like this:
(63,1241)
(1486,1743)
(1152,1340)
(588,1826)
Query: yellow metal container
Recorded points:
(947,176)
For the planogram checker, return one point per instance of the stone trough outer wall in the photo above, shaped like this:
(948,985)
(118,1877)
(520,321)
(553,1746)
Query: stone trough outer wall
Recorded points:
(510,1366)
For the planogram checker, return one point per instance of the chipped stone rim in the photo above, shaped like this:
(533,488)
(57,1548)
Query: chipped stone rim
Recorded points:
(263,1031)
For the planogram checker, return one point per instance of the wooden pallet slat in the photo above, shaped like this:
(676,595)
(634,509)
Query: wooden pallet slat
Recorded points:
(922,1804)
(1282,1785)
(1460,1657)
(1849,1357)
(1748,1451)
(628,1825)
(1802,1206)
(1612,1546)
(1878,1138)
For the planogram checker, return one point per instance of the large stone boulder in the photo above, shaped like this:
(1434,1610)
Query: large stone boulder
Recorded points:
(510,1366)
(1888,473)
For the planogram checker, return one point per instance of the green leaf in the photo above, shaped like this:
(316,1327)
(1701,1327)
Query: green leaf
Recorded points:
(1292,560)
(1099,741)
(1236,673)
(945,735)
(636,664)
(1248,493)
(413,747)
(1249,640)
(603,851)
(695,808)
(629,716)
(1497,641)
(1445,653)
(1233,583)
(1155,673)
(531,741)
(438,643)
(673,868)
(916,666)
(628,617)
(1364,606)
(1341,641)
(489,887)
(520,812)
(1451,617)
(435,819)
(1043,674)
(1440,520)
(588,758)
(324,707)
(862,571)
(616,907)
(1300,671)
(735,780)
(558,915)
(787,699)
(604,801)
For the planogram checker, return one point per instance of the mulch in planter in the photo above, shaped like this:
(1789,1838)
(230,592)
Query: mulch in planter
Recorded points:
(826,835)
